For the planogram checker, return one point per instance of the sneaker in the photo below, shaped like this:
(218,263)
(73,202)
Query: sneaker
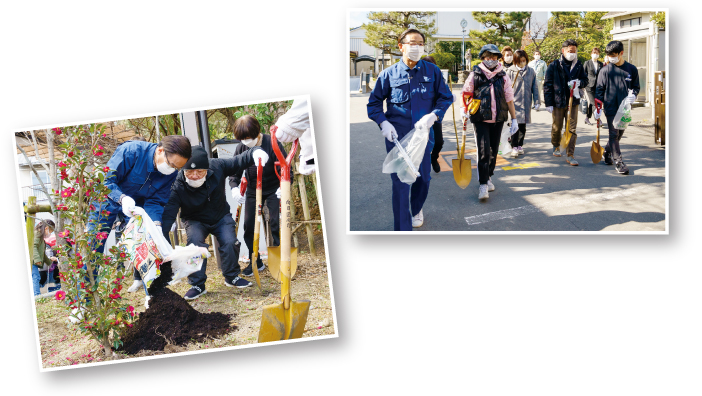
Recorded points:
(435,165)
(418,220)
(237,282)
(621,168)
(588,122)
(608,158)
(571,160)
(249,270)
(491,187)
(520,150)
(483,192)
(135,286)
(515,152)
(556,151)
(194,293)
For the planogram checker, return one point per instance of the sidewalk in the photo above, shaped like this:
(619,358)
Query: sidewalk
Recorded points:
(536,191)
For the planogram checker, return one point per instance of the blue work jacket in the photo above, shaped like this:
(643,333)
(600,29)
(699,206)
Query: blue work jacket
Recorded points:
(411,94)
(132,173)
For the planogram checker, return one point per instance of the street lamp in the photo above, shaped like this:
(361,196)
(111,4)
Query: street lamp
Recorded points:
(464,23)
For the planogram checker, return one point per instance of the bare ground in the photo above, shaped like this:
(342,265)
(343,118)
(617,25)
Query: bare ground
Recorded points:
(61,345)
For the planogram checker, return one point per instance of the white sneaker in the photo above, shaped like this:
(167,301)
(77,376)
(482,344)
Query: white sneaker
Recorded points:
(515,152)
(418,220)
(135,286)
(520,150)
(483,192)
(491,187)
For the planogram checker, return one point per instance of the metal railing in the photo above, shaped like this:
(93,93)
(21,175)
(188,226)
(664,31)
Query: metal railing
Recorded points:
(34,191)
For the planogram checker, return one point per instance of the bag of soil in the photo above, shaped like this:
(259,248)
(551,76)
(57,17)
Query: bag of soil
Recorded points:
(414,143)
(146,245)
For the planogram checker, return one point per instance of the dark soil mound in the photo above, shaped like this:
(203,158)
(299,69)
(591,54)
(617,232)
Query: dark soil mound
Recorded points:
(169,315)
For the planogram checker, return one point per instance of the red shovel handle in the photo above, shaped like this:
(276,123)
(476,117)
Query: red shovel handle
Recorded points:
(259,175)
(242,185)
(285,163)
(598,104)
(275,168)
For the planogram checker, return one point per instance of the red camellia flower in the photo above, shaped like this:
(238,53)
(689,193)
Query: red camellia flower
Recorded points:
(101,235)
(122,255)
(61,164)
(70,154)
(64,175)
(56,130)
(130,309)
(66,193)
(106,169)
(60,295)
(64,233)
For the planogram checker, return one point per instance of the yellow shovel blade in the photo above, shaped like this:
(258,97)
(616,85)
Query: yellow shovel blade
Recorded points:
(274,261)
(278,324)
(462,171)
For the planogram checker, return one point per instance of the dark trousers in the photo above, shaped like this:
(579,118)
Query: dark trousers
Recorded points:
(273,203)
(590,102)
(487,138)
(438,141)
(43,275)
(615,135)
(225,233)
(408,200)
(518,137)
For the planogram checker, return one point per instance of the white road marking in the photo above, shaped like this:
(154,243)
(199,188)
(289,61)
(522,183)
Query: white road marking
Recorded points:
(524,210)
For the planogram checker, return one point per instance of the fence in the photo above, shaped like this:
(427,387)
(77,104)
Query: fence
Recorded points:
(34,191)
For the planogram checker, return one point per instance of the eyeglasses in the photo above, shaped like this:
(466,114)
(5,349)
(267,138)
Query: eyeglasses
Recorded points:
(413,43)
(169,162)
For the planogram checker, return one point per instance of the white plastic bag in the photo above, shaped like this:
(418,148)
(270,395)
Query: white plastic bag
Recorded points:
(623,116)
(111,241)
(186,260)
(415,143)
(505,147)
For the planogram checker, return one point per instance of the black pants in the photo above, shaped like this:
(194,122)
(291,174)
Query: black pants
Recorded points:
(518,137)
(615,135)
(273,204)
(225,233)
(438,141)
(590,102)
(54,277)
(487,138)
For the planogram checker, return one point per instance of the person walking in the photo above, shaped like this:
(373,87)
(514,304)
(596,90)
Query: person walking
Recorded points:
(525,93)
(42,231)
(592,68)
(562,74)
(199,194)
(416,96)
(248,130)
(507,57)
(618,81)
(489,84)
(539,67)
(438,132)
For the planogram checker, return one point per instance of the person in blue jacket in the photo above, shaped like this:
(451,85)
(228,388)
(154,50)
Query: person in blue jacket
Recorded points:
(141,174)
(416,94)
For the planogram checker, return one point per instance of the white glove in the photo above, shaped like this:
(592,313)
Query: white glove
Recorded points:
(537,106)
(549,109)
(576,93)
(388,130)
(513,127)
(260,154)
(238,198)
(463,113)
(631,98)
(427,121)
(597,114)
(173,226)
(128,206)
(573,83)
(277,193)
(306,169)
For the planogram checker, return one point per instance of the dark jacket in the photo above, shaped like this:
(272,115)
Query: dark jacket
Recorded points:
(592,73)
(481,90)
(270,180)
(613,84)
(556,91)
(207,203)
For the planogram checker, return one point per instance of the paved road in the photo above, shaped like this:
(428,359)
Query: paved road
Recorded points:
(535,192)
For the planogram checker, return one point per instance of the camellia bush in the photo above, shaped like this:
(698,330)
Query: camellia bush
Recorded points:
(91,281)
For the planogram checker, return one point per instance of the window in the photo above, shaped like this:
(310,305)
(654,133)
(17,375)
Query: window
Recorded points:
(625,23)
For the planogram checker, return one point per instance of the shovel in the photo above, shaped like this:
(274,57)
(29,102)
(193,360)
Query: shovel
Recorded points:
(597,151)
(566,134)
(461,167)
(242,191)
(286,320)
(274,251)
(257,223)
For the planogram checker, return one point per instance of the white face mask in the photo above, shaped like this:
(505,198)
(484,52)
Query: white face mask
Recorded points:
(413,52)
(164,168)
(614,59)
(594,56)
(509,58)
(249,142)
(196,183)
(537,57)
(570,56)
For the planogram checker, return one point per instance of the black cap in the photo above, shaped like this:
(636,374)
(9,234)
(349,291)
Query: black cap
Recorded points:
(198,159)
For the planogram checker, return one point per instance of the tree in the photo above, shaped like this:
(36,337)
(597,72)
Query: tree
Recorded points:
(385,28)
(444,60)
(586,28)
(504,28)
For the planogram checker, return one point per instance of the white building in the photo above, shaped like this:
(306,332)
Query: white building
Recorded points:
(448,28)
(644,46)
